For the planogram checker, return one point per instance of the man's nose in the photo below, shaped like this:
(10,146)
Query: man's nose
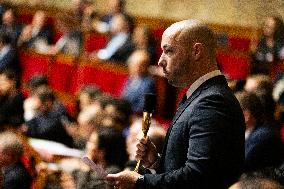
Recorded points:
(161,60)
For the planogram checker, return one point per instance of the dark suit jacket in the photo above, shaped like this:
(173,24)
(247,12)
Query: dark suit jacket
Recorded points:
(263,148)
(10,61)
(204,147)
(45,33)
(122,53)
(48,126)
(17,177)
(11,110)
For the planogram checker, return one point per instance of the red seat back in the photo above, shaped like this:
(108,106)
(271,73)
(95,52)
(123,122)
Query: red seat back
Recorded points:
(60,73)
(32,64)
(94,41)
(235,67)
(241,44)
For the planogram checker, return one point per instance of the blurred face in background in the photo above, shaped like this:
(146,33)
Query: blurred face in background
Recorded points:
(114,6)
(8,17)
(269,27)
(140,37)
(138,63)
(118,24)
(39,19)
(92,150)
(6,85)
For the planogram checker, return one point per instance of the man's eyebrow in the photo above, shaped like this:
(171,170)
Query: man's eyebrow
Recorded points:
(165,46)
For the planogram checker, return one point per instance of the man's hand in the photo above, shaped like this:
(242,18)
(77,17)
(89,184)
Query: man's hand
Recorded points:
(146,152)
(123,180)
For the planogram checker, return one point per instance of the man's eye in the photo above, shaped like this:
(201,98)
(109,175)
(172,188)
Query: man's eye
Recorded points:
(167,51)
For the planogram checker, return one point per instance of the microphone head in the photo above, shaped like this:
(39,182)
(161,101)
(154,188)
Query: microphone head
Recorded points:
(149,102)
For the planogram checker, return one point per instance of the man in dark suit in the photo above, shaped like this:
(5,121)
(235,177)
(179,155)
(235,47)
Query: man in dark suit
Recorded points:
(8,55)
(263,144)
(204,147)
(16,175)
(139,81)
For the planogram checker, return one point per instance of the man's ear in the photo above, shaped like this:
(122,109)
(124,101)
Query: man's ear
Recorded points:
(197,50)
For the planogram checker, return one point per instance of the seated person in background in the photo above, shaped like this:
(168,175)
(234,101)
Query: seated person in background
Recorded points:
(270,47)
(11,101)
(10,25)
(139,82)
(263,145)
(114,7)
(262,86)
(48,122)
(87,95)
(71,41)
(8,55)
(88,120)
(37,35)
(120,45)
(143,40)
(90,19)
(107,148)
(31,103)
(80,6)
(120,112)
(15,174)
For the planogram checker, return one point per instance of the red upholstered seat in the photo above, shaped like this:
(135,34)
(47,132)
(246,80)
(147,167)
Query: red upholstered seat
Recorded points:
(234,66)
(25,17)
(32,64)
(60,73)
(94,41)
(241,44)
(108,79)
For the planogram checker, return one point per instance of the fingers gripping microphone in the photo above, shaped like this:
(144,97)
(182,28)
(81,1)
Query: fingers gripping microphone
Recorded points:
(148,109)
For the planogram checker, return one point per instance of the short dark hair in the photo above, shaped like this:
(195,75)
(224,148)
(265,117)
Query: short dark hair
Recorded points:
(259,183)
(92,90)
(45,94)
(37,81)
(10,74)
(5,38)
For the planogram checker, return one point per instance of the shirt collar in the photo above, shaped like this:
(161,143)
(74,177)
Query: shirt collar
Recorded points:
(201,80)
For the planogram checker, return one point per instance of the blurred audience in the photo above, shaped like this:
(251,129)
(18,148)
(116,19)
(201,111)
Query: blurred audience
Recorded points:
(139,81)
(87,95)
(120,45)
(10,26)
(114,7)
(263,144)
(100,148)
(11,101)
(71,41)
(271,45)
(143,40)
(8,55)
(16,176)
(37,35)
(262,86)
(47,123)
(80,8)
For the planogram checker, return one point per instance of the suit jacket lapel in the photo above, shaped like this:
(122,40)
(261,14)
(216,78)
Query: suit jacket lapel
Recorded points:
(180,110)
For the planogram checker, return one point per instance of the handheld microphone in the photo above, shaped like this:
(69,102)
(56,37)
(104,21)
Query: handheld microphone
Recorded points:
(148,109)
